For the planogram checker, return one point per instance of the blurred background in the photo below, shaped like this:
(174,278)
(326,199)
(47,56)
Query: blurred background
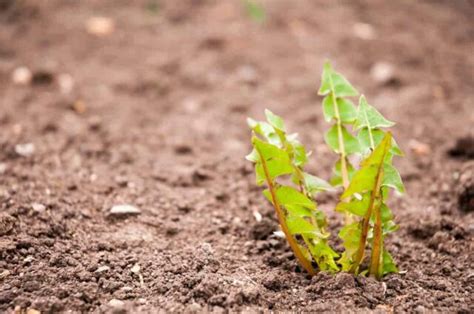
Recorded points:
(153,80)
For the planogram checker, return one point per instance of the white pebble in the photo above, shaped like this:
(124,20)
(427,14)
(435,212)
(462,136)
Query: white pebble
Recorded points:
(258,216)
(363,31)
(37,207)
(382,72)
(22,76)
(25,150)
(124,209)
(116,303)
(100,26)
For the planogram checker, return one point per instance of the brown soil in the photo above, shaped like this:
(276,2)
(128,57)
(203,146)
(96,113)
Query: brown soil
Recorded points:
(156,119)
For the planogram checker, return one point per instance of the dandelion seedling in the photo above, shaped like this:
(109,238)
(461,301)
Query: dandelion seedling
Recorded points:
(279,156)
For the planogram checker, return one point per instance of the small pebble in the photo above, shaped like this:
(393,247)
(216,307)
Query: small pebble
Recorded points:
(102,269)
(25,150)
(363,31)
(124,209)
(3,167)
(37,207)
(258,216)
(135,269)
(66,83)
(22,76)
(419,148)
(100,26)
(116,303)
(382,72)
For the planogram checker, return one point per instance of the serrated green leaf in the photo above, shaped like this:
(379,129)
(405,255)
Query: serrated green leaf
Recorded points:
(336,180)
(351,144)
(253,156)
(386,213)
(300,157)
(380,152)
(323,254)
(369,117)
(276,168)
(377,135)
(293,209)
(391,178)
(389,227)
(346,109)
(299,225)
(277,160)
(269,151)
(275,120)
(315,184)
(364,179)
(388,264)
(350,235)
(333,81)
(298,210)
(289,196)
(355,206)
(265,130)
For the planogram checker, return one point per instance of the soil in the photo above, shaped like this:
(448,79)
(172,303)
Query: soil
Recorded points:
(155,118)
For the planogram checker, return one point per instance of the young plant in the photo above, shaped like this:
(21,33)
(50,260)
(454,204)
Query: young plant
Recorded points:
(366,189)
(278,155)
(368,192)
(342,112)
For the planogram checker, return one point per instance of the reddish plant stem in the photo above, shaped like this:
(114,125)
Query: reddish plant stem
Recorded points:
(281,219)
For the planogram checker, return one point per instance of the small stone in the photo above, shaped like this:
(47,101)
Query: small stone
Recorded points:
(25,150)
(79,106)
(4,274)
(135,269)
(100,26)
(102,269)
(116,303)
(66,83)
(194,307)
(382,72)
(22,76)
(419,148)
(124,209)
(3,167)
(28,259)
(363,31)
(247,74)
(32,311)
(258,216)
(279,234)
(37,207)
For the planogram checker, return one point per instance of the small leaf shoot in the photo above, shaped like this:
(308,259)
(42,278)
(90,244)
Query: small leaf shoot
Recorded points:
(277,155)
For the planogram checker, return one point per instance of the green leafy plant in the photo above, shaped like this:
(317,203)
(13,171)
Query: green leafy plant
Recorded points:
(279,156)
